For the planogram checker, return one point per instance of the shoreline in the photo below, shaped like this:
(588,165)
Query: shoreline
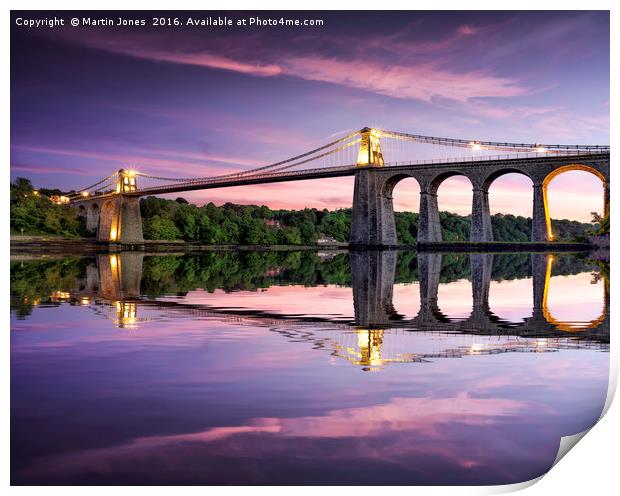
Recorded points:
(76,246)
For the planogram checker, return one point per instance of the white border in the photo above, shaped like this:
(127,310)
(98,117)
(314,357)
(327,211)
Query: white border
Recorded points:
(590,468)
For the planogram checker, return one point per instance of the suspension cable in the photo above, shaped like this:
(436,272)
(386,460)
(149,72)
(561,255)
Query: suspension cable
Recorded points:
(96,184)
(257,169)
(487,144)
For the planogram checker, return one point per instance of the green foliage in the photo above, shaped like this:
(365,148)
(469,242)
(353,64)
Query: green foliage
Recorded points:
(158,228)
(603,224)
(511,228)
(406,227)
(336,224)
(454,227)
(35,281)
(33,213)
(254,225)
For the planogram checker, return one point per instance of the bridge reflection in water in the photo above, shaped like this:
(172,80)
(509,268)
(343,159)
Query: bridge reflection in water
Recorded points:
(376,338)
(373,285)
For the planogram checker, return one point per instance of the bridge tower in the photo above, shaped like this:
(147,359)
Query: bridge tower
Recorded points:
(126,181)
(116,214)
(372,214)
(370,148)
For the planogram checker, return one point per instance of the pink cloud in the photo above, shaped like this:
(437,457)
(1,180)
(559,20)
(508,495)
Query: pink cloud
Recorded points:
(502,111)
(421,418)
(189,168)
(415,79)
(209,60)
(420,81)
(466,30)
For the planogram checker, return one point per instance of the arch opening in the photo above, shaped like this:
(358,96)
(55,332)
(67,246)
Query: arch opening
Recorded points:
(573,192)
(564,307)
(454,205)
(511,297)
(108,223)
(510,205)
(404,191)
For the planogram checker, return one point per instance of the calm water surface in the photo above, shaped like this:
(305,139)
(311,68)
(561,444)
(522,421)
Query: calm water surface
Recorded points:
(302,368)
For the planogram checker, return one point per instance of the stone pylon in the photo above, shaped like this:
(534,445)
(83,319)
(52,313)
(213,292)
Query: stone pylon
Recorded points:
(372,274)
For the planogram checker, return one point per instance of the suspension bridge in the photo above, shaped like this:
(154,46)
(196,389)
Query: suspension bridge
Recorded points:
(378,159)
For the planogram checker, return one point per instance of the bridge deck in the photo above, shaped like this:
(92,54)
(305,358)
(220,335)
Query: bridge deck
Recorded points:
(338,171)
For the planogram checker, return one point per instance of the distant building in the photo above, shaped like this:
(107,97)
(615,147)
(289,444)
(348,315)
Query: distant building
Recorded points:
(327,240)
(273,223)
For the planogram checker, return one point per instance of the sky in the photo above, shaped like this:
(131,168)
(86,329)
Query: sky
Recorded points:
(195,101)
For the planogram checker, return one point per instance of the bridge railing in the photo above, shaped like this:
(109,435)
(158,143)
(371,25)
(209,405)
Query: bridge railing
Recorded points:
(481,158)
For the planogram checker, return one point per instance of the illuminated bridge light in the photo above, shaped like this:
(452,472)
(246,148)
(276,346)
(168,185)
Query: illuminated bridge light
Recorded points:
(475,146)
(370,148)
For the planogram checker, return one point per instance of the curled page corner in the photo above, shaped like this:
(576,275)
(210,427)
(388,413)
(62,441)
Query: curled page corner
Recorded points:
(512,488)
(567,443)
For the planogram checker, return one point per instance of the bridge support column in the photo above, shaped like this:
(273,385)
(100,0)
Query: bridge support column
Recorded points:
(540,214)
(429,272)
(120,221)
(540,267)
(481,268)
(92,216)
(131,220)
(606,198)
(120,275)
(372,275)
(372,215)
(429,228)
(481,229)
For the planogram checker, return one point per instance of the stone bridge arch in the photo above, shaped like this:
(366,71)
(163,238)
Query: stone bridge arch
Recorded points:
(563,325)
(485,232)
(373,214)
(388,193)
(92,216)
(372,222)
(429,201)
(115,218)
(590,168)
(109,222)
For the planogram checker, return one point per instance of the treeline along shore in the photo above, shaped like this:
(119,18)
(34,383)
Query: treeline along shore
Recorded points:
(33,214)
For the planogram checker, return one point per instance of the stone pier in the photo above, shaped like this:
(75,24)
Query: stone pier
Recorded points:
(116,218)
(372,274)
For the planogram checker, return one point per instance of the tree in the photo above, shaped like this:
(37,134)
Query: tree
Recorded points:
(158,228)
